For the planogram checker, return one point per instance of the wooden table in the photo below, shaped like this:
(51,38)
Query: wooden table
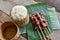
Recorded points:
(6,6)
(7,11)
(7,18)
(3,18)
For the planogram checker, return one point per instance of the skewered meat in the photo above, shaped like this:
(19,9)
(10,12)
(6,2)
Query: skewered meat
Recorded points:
(37,20)
(37,25)
(42,20)
(40,23)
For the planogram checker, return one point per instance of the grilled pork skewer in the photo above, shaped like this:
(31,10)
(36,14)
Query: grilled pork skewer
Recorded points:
(45,26)
(43,21)
(36,22)
(37,30)
(48,30)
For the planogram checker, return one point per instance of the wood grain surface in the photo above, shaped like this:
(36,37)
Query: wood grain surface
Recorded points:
(3,18)
(6,6)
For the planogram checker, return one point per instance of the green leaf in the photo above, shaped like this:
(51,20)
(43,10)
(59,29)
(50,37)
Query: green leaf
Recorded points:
(47,13)
(34,8)
(53,18)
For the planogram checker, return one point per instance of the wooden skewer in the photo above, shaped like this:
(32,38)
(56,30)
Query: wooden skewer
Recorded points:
(52,35)
(41,38)
(49,34)
(42,33)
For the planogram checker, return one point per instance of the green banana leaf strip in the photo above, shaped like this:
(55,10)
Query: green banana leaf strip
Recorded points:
(32,34)
(22,30)
(53,18)
(34,8)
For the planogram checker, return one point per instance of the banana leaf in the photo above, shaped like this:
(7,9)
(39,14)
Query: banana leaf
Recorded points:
(53,18)
(34,8)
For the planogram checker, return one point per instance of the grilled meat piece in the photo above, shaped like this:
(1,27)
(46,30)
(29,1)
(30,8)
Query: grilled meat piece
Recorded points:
(39,20)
